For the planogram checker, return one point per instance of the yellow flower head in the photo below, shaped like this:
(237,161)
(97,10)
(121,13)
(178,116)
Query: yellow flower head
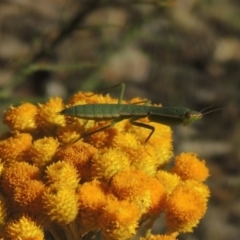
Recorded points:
(107,164)
(198,186)
(62,173)
(159,146)
(16,174)
(132,186)
(21,118)
(168,180)
(184,208)
(125,140)
(92,199)
(48,117)
(24,229)
(144,159)
(145,192)
(103,138)
(43,150)
(76,181)
(92,196)
(3,212)
(27,198)
(13,149)
(70,133)
(188,166)
(119,219)
(158,197)
(1,167)
(79,155)
(90,98)
(162,142)
(159,237)
(60,203)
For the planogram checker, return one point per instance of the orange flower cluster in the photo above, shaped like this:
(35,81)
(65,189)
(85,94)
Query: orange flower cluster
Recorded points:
(108,183)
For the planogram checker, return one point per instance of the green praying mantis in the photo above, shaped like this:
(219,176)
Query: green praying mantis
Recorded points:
(117,112)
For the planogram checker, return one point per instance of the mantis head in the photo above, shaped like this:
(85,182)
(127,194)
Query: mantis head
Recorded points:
(191,116)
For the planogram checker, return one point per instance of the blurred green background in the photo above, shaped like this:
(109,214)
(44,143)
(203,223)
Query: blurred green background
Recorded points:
(177,53)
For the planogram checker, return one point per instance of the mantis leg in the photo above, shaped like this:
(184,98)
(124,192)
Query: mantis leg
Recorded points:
(143,125)
(113,122)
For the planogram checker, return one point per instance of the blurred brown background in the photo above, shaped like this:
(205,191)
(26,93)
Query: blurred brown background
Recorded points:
(178,53)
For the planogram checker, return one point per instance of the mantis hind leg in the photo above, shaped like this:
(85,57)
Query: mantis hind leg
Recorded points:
(143,125)
(113,122)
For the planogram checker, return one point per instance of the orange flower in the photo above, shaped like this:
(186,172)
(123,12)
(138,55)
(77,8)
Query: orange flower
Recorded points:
(125,140)
(62,173)
(70,133)
(79,155)
(200,187)
(143,158)
(13,149)
(1,167)
(159,237)
(90,98)
(24,229)
(184,208)
(3,213)
(60,204)
(92,199)
(133,187)
(159,146)
(145,192)
(188,166)
(21,118)
(103,138)
(16,174)
(48,117)
(107,164)
(168,180)
(119,219)
(42,151)
(158,197)
(27,198)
